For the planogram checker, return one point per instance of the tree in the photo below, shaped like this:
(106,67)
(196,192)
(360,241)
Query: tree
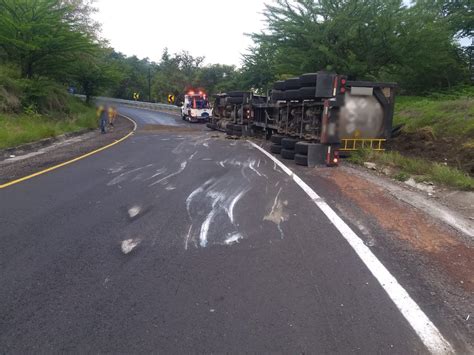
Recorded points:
(93,73)
(44,37)
(364,39)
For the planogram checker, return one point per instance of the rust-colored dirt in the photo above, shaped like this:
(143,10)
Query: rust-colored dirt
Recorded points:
(420,232)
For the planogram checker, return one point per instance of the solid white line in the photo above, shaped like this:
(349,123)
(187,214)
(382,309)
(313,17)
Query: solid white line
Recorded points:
(421,324)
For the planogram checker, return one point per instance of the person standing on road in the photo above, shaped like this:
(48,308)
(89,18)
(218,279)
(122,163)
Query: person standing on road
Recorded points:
(102,113)
(112,115)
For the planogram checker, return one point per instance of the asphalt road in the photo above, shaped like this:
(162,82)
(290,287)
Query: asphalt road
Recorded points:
(183,242)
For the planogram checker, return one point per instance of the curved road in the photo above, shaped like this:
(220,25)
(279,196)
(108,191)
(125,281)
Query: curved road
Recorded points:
(183,242)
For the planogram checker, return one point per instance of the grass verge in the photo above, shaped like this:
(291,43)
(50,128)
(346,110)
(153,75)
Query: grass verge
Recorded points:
(17,129)
(421,170)
(450,113)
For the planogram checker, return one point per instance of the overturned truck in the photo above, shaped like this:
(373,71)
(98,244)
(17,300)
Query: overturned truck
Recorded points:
(312,117)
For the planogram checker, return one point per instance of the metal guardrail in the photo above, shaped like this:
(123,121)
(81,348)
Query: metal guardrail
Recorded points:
(138,104)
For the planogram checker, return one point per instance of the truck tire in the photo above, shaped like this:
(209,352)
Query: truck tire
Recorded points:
(278,95)
(292,84)
(237,127)
(287,154)
(279,85)
(276,138)
(309,79)
(275,148)
(292,94)
(302,147)
(301,159)
(289,143)
(237,93)
(307,92)
(235,100)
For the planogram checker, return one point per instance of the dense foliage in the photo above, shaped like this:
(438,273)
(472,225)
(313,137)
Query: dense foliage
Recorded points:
(47,46)
(369,39)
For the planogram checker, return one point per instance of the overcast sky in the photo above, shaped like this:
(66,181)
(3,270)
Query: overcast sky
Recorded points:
(211,28)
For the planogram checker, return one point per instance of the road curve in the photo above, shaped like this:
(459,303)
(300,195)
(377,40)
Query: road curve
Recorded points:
(183,242)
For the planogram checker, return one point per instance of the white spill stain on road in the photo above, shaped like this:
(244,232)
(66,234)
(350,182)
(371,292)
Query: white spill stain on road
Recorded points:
(129,244)
(192,155)
(122,177)
(277,214)
(134,211)
(158,173)
(179,171)
(233,239)
(221,197)
(230,209)
(170,188)
(116,169)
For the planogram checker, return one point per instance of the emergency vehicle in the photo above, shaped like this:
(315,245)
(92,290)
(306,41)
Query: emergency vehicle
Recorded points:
(196,107)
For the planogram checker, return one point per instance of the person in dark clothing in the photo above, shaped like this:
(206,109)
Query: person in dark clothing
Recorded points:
(102,113)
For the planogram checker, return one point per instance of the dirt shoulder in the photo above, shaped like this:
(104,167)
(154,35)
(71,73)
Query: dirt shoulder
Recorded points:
(431,258)
(31,158)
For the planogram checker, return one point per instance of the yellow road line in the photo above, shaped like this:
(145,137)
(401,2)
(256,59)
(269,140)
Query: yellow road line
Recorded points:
(72,160)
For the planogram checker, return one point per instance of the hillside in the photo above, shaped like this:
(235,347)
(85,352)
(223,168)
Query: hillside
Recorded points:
(439,128)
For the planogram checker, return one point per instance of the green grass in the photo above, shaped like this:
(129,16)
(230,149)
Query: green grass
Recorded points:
(420,169)
(450,113)
(17,129)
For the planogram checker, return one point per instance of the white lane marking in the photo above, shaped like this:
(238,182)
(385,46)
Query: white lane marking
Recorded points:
(128,245)
(419,321)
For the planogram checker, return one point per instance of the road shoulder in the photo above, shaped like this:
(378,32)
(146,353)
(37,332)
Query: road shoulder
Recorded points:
(38,157)
(432,259)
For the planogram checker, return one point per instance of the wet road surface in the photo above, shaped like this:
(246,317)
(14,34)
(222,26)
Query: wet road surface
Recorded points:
(183,242)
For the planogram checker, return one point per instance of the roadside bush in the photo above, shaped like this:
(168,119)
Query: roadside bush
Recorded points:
(44,95)
(10,90)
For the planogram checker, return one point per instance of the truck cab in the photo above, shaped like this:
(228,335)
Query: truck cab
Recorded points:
(196,107)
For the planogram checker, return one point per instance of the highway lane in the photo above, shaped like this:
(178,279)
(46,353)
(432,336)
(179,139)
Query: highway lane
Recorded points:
(183,242)
(144,117)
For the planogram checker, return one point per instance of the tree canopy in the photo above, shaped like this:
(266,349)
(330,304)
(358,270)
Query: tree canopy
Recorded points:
(413,44)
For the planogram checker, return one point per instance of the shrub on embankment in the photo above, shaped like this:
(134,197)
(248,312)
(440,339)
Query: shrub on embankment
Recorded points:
(33,109)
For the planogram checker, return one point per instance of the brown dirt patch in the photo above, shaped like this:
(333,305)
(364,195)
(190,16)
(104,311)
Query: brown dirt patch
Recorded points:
(442,245)
(423,144)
